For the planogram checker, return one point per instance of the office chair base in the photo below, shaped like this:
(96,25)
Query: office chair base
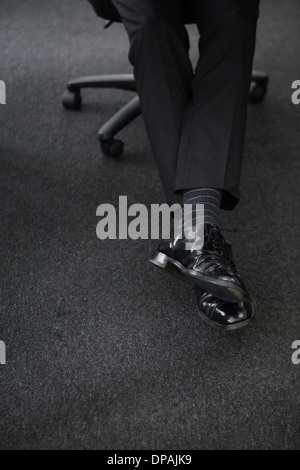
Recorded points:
(258,87)
(111,147)
(71,100)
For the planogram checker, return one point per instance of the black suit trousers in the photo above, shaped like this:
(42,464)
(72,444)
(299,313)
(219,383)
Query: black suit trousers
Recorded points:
(195,119)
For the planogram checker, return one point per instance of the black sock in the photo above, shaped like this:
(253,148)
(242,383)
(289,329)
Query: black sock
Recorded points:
(210,198)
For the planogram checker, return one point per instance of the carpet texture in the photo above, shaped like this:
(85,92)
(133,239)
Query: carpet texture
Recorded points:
(102,350)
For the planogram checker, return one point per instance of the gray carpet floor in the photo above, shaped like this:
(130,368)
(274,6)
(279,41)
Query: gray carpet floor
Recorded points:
(103,351)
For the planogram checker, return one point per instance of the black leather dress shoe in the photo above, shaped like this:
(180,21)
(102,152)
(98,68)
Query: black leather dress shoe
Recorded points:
(225,315)
(211,267)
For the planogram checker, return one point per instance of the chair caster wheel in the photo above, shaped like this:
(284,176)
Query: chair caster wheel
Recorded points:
(111,147)
(71,100)
(258,92)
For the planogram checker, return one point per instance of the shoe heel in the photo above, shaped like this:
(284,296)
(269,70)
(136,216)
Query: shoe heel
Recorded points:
(167,264)
(159,259)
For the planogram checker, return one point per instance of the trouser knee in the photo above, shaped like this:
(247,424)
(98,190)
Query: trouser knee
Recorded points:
(149,31)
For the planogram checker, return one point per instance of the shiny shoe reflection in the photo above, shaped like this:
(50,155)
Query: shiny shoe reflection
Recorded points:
(222,314)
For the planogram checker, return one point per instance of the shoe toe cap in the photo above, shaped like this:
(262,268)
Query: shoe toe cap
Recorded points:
(225,314)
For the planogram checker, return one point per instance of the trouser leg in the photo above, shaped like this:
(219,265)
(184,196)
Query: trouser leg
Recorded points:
(213,127)
(159,54)
(195,124)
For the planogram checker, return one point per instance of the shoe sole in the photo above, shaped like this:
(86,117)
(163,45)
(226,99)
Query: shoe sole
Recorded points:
(222,289)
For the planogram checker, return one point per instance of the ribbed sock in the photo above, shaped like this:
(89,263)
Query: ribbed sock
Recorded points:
(210,198)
